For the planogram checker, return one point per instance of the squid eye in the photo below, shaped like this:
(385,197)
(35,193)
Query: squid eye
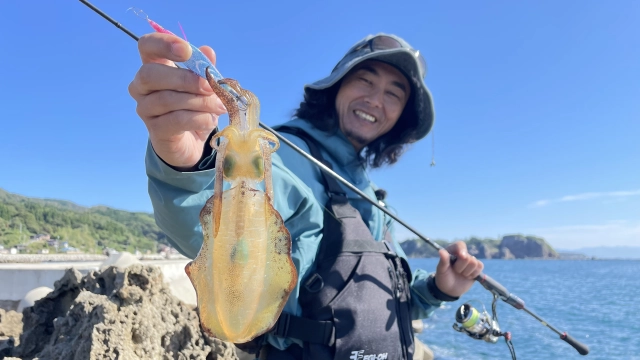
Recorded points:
(258,165)
(229,166)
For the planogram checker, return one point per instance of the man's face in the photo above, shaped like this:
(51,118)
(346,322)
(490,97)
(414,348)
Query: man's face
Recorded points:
(370,101)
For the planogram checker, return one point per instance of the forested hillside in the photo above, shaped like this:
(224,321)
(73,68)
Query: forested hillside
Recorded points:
(87,229)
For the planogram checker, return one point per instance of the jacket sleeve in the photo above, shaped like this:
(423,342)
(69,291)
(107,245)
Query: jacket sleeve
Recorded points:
(424,303)
(178,197)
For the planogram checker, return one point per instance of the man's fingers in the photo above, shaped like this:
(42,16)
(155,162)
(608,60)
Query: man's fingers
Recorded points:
(154,77)
(208,52)
(477,271)
(163,49)
(462,264)
(162,102)
(443,264)
(471,268)
(465,263)
(178,122)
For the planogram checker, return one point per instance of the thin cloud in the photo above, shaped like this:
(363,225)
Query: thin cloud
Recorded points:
(610,233)
(586,196)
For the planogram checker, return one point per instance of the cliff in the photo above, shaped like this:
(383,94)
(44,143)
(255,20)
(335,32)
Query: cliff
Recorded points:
(509,247)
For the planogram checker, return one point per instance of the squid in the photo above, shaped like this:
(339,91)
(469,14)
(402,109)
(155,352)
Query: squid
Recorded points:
(243,274)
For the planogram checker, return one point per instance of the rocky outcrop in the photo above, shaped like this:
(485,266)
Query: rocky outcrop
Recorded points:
(527,247)
(505,253)
(483,251)
(115,314)
(420,249)
(509,247)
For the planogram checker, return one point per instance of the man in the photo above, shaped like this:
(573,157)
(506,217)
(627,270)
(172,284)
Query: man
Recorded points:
(365,112)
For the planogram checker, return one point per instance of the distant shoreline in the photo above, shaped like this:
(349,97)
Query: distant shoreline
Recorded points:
(544,259)
(54,258)
(37,258)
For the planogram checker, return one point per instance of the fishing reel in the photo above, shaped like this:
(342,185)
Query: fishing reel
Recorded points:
(478,325)
(481,325)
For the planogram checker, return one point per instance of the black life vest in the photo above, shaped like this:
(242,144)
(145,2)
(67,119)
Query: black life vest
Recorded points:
(356,304)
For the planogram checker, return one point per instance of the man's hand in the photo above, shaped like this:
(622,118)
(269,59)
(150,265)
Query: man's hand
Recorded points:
(177,106)
(457,279)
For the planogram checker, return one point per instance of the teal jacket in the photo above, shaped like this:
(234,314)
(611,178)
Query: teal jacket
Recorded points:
(299,197)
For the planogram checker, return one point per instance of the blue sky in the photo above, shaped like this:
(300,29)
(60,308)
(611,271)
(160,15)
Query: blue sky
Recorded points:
(537,104)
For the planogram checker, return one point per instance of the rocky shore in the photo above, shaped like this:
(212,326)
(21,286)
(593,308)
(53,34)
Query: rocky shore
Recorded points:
(116,313)
(125,310)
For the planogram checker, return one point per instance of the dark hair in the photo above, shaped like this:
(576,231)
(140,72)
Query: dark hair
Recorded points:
(319,109)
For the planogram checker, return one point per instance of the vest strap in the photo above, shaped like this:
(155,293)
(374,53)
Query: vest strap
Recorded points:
(333,187)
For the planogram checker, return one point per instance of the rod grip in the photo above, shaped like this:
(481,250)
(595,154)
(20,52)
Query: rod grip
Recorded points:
(495,287)
(490,284)
(582,348)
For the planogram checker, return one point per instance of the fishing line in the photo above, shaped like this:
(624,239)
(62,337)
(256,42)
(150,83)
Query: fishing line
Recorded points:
(433,147)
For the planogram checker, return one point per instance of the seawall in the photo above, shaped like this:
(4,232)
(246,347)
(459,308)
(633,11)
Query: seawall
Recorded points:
(17,279)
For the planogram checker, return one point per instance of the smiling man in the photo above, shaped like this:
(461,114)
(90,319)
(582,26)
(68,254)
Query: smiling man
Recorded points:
(370,101)
(356,295)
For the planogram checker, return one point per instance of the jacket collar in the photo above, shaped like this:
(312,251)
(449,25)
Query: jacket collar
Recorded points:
(336,145)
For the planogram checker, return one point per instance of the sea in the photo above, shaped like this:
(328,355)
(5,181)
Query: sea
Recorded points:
(595,301)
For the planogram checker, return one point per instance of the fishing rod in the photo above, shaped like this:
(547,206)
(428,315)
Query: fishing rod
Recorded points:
(497,289)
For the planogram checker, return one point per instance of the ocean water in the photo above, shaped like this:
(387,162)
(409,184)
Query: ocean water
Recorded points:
(597,302)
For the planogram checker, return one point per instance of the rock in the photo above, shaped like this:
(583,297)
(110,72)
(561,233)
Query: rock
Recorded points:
(422,351)
(417,248)
(120,260)
(523,247)
(505,253)
(483,251)
(38,319)
(6,347)
(179,284)
(10,329)
(509,247)
(116,313)
(32,296)
(418,326)
(10,324)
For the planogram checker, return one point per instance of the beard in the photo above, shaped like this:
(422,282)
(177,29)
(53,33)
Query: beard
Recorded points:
(356,137)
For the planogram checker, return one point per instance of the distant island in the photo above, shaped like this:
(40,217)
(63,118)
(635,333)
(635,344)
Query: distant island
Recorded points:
(518,246)
(509,247)
(606,252)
